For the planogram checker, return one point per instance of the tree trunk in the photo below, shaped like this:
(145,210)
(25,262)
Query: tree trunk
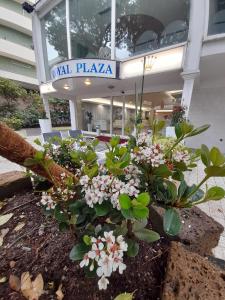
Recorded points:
(16,149)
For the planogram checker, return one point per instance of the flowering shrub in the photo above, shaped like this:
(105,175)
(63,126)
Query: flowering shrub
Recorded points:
(108,206)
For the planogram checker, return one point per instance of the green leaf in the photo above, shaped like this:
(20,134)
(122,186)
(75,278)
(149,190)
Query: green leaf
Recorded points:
(178,131)
(198,130)
(63,227)
(90,156)
(133,248)
(37,142)
(39,155)
(216,157)
(182,188)
(147,235)
(29,162)
(102,209)
(87,240)
(125,201)
(125,296)
(75,206)
(140,212)
(78,251)
(122,151)
(215,193)
(121,230)
(127,213)
(205,155)
(171,222)
(59,215)
(144,199)
(91,172)
(214,171)
(138,225)
(162,171)
(114,141)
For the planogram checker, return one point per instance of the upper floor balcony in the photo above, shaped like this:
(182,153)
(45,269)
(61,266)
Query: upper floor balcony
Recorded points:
(13,19)
(17,52)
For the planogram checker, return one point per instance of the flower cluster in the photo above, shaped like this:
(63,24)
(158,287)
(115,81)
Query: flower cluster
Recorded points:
(47,201)
(143,138)
(132,171)
(152,155)
(106,257)
(182,156)
(105,187)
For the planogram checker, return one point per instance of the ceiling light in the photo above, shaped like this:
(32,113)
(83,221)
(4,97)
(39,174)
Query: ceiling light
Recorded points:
(87,81)
(66,87)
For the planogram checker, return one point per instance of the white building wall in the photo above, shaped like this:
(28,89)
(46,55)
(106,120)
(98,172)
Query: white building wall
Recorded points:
(208,107)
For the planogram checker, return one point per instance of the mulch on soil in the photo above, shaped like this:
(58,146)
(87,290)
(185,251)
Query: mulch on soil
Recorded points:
(39,247)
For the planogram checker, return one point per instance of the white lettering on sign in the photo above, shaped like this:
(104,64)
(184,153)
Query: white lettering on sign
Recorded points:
(84,68)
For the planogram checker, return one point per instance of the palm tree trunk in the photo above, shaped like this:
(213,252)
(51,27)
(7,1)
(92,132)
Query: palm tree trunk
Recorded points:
(14,148)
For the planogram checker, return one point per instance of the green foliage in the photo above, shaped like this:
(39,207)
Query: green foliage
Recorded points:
(171,222)
(125,296)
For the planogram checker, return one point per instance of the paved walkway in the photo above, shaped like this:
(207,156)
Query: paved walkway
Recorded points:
(215,209)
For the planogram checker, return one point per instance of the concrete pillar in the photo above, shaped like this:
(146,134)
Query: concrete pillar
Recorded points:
(193,50)
(111,116)
(123,114)
(73,114)
(46,106)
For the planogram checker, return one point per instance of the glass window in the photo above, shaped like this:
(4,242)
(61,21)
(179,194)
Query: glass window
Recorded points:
(146,25)
(90,27)
(216,17)
(54,35)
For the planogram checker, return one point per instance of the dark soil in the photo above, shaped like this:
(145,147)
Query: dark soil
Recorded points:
(48,254)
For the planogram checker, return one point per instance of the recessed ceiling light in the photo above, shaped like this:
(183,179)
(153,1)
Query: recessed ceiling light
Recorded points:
(66,87)
(87,81)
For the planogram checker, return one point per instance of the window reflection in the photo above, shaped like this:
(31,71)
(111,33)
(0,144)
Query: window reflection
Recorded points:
(54,35)
(146,25)
(90,28)
(217,17)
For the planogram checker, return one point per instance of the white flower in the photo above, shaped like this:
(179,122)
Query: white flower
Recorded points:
(102,283)
(85,261)
(105,264)
(47,201)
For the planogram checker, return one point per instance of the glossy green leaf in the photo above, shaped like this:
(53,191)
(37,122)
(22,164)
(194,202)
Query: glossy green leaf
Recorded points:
(216,157)
(125,296)
(214,171)
(162,171)
(114,141)
(205,155)
(147,235)
(102,209)
(198,130)
(87,240)
(171,222)
(215,193)
(144,199)
(140,212)
(78,251)
(178,131)
(133,248)
(182,188)
(137,225)
(125,201)
(127,213)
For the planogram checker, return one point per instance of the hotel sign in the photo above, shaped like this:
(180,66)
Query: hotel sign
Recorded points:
(84,68)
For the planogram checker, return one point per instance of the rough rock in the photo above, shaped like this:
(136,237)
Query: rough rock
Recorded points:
(191,277)
(12,183)
(200,233)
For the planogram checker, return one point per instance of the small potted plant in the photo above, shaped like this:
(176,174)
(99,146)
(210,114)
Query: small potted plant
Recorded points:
(89,118)
(44,122)
(178,116)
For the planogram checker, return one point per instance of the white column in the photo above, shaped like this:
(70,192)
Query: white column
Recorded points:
(111,116)
(193,50)
(73,114)
(46,106)
(123,114)
(68,35)
(113,29)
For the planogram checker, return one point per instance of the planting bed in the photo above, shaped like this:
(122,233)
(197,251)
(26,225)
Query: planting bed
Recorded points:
(39,247)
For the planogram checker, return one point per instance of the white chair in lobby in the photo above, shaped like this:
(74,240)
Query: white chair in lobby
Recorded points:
(49,137)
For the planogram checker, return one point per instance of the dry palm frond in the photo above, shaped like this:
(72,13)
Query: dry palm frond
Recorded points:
(14,148)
